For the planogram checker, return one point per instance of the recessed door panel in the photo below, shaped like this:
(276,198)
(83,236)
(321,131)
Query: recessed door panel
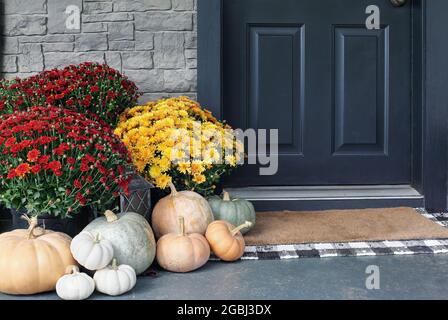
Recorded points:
(361,85)
(276,60)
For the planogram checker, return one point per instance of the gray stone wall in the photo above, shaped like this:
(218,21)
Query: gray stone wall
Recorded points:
(153,42)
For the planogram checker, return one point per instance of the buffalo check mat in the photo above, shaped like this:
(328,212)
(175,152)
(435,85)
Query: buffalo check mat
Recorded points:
(346,249)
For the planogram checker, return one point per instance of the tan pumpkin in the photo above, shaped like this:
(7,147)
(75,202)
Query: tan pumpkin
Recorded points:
(32,260)
(179,252)
(226,240)
(192,206)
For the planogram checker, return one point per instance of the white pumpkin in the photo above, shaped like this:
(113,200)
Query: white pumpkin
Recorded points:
(115,279)
(131,237)
(92,251)
(75,285)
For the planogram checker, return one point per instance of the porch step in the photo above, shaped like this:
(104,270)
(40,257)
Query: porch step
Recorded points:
(268,198)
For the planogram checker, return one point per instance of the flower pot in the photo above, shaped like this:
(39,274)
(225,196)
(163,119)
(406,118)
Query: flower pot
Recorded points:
(139,198)
(71,226)
(5,219)
(4,213)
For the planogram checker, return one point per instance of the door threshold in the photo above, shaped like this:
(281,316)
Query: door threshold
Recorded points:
(269,198)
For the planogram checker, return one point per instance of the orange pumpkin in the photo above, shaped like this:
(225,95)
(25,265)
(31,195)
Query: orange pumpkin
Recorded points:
(179,252)
(226,240)
(32,260)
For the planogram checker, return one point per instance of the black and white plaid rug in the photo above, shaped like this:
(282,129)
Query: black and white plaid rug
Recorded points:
(344,249)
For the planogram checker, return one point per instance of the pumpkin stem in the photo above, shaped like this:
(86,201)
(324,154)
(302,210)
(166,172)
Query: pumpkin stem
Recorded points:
(114,264)
(173,189)
(181,225)
(97,238)
(72,270)
(32,224)
(225,196)
(110,216)
(237,229)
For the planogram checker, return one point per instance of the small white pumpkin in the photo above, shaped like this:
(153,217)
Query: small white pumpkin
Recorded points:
(92,251)
(115,279)
(75,285)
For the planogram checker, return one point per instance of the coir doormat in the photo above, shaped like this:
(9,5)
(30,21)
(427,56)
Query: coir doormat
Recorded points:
(339,233)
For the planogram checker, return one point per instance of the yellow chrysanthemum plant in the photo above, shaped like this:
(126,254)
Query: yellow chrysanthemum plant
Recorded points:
(176,141)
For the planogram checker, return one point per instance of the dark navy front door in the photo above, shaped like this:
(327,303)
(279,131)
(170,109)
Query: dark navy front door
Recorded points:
(339,94)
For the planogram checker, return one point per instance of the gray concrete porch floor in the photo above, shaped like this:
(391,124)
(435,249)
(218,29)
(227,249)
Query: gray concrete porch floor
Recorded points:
(401,277)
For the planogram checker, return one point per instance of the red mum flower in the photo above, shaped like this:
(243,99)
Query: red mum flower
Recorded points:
(84,167)
(33,155)
(88,159)
(10,141)
(77,184)
(50,99)
(71,160)
(23,169)
(111,95)
(16,148)
(44,159)
(54,166)
(80,198)
(12,174)
(94,89)
(60,150)
(36,168)
(101,168)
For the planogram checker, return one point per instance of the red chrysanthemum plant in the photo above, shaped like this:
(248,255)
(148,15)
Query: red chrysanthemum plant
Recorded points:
(55,161)
(97,90)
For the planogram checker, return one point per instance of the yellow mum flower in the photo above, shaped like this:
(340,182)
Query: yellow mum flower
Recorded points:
(155,172)
(199,178)
(197,167)
(184,167)
(164,163)
(163,181)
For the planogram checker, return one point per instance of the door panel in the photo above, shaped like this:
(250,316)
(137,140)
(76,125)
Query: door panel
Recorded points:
(338,93)
(361,82)
(275,61)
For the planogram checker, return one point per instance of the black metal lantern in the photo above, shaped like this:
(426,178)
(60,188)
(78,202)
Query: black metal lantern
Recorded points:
(139,198)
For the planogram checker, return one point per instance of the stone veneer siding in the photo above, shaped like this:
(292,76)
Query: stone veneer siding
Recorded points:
(153,42)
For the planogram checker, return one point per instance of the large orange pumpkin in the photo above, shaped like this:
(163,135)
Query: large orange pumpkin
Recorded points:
(32,260)
(181,252)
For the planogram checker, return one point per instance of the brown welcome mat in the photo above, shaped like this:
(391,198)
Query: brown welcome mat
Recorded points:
(287,227)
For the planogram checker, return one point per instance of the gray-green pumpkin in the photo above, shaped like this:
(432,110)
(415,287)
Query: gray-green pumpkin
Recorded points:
(131,237)
(236,211)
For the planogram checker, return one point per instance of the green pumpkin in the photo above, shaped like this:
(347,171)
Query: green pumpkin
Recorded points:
(131,237)
(235,211)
